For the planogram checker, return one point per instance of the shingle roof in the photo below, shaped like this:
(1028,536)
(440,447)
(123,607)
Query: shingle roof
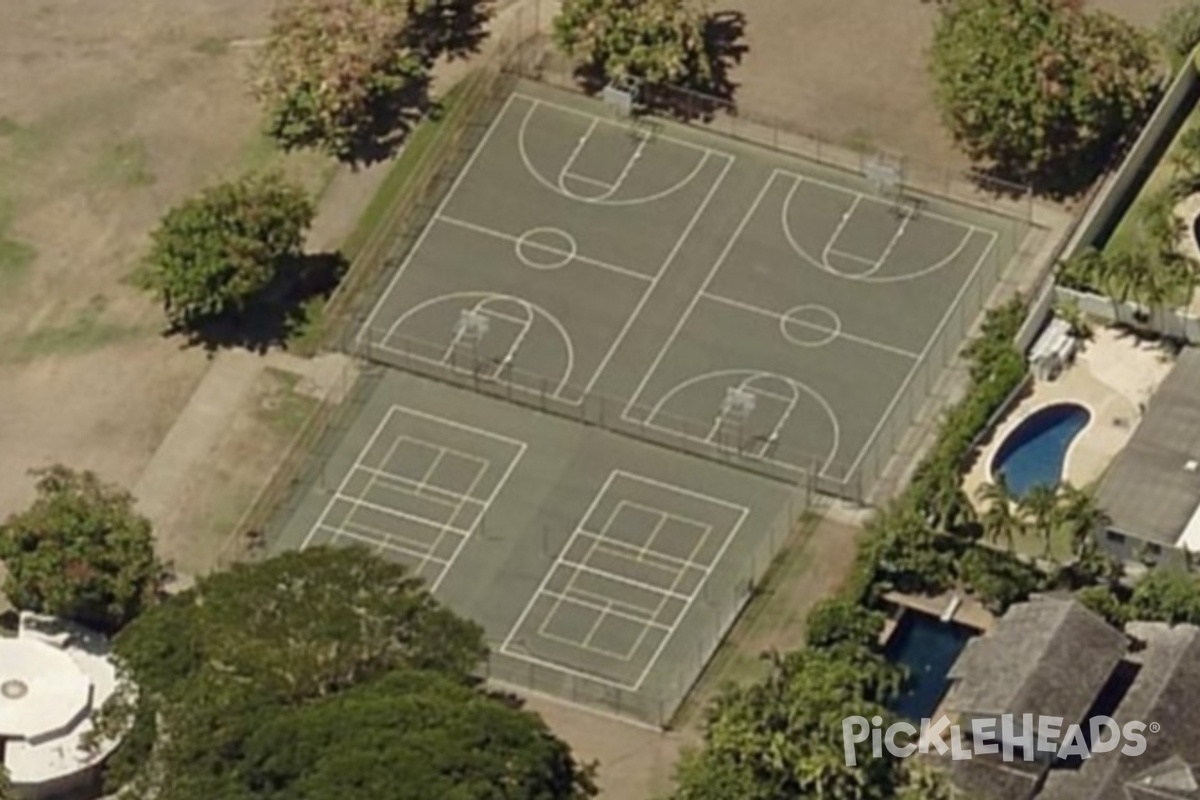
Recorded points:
(1048,656)
(1165,691)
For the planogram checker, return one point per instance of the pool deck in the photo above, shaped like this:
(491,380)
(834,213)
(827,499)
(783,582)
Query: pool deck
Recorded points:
(969,612)
(1113,376)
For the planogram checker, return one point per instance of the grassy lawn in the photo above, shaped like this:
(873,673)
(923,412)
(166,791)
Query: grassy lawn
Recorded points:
(771,615)
(1125,235)
(386,208)
(1030,545)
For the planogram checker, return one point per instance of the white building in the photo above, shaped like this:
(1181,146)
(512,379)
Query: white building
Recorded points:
(52,677)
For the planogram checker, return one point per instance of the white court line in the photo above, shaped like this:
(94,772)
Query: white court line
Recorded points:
(415,547)
(359,502)
(615,578)
(594,262)
(463,498)
(621,549)
(558,558)
(887,348)
(730,535)
(536,174)
(341,488)
(887,412)
(427,492)
(662,270)
(629,165)
(585,179)
(867,276)
(834,423)
(642,614)
(583,140)
(658,512)
(869,199)
(383,545)
(837,232)
(588,115)
(850,256)
(416,246)
(486,503)
(724,254)
(487,297)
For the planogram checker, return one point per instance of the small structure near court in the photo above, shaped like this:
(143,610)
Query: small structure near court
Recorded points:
(53,676)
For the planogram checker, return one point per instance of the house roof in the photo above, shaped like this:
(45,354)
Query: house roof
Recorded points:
(1048,656)
(1165,691)
(1146,491)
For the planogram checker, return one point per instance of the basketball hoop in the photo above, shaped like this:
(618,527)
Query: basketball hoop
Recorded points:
(885,175)
(472,325)
(622,95)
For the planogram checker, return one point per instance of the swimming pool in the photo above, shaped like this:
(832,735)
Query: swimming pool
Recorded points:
(1034,453)
(928,647)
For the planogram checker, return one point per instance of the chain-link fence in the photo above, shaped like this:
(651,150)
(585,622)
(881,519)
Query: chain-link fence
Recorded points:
(754,450)
(700,632)
(724,116)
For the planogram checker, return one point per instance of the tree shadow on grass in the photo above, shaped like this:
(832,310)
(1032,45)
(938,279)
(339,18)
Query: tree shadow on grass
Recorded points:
(452,28)
(698,99)
(274,314)
(391,120)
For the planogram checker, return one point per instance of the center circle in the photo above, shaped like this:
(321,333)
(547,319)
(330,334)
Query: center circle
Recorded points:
(810,325)
(14,689)
(546,248)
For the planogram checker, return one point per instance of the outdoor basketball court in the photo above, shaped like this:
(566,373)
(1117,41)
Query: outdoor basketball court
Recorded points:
(669,287)
(708,294)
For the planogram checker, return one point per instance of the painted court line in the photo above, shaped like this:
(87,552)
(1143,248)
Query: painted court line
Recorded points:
(616,578)
(851,256)
(588,115)
(416,247)
(594,262)
(686,599)
(887,412)
(712,273)
(738,304)
(796,176)
(662,270)
(486,503)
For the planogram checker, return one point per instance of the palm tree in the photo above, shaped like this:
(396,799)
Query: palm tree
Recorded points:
(1039,507)
(1081,516)
(1000,521)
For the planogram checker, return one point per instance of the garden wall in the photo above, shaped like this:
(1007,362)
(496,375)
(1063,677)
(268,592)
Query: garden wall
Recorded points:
(1113,198)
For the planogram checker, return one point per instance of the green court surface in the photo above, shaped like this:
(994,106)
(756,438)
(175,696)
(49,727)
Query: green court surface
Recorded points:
(739,329)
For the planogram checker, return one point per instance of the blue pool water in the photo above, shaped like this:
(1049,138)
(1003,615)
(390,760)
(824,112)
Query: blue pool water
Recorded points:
(928,648)
(1033,454)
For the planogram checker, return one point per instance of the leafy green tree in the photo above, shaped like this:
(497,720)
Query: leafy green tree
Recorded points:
(336,75)
(923,782)
(404,735)
(907,554)
(1104,601)
(836,621)
(659,41)
(998,579)
(1166,595)
(287,630)
(1041,89)
(782,737)
(81,552)
(216,251)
